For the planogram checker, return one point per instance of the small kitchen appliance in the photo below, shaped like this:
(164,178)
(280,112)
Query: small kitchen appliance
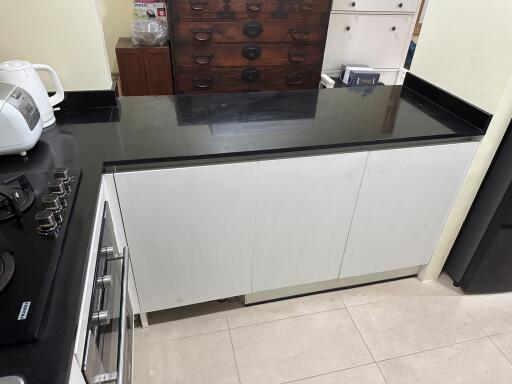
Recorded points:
(35,209)
(357,75)
(20,120)
(24,75)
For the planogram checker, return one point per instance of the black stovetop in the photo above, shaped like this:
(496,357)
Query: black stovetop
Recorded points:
(30,249)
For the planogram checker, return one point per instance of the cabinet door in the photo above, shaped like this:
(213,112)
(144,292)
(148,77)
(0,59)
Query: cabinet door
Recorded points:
(157,62)
(378,41)
(132,71)
(405,198)
(190,232)
(303,215)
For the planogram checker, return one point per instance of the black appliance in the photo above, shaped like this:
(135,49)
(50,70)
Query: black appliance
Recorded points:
(109,339)
(481,258)
(35,208)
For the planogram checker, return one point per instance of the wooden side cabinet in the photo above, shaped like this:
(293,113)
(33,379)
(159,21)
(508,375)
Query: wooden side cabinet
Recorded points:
(144,70)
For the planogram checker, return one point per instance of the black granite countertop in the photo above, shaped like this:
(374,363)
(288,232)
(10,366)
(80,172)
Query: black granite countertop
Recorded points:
(206,129)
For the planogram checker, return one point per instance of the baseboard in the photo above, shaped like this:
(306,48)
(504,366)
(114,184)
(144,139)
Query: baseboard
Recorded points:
(330,285)
(466,111)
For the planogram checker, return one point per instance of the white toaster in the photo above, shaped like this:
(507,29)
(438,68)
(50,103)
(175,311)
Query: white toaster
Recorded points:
(20,120)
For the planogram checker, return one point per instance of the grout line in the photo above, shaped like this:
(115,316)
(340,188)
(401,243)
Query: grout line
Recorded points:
(499,349)
(234,356)
(179,338)
(286,318)
(432,349)
(362,338)
(326,373)
(367,347)
(393,298)
(473,319)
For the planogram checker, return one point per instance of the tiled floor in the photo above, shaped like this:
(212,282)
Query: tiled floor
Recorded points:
(398,332)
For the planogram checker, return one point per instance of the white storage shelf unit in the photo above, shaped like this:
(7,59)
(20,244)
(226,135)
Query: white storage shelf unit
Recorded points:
(376,33)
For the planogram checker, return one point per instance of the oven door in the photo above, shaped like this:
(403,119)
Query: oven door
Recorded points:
(109,344)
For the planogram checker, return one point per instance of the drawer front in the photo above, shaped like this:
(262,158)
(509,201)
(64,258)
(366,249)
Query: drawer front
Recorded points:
(239,32)
(246,79)
(395,6)
(379,41)
(214,9)
(241,55)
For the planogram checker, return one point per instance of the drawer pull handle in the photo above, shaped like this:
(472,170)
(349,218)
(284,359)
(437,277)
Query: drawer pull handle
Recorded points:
(254,7)
(297,57)
(400,5)
(294,79)
(203,59)
(305,7)
(198,5)
(251,75)
(299,35)
(253,29)
(203,83)
(353,4)
(202,34)
(393,28)
(347,28)
(251,51)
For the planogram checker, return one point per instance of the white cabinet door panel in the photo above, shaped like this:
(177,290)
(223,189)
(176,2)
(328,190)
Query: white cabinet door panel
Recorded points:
(190,231)
(378,41)
(405,197)
(396,6)
(303,215)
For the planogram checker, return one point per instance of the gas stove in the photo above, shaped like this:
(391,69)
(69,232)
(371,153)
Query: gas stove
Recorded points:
(34,213)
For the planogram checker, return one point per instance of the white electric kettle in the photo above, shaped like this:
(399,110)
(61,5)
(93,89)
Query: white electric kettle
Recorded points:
(24,75)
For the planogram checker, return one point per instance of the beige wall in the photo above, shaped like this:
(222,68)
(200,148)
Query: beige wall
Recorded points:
(65,34)
(115,16)
(465,47)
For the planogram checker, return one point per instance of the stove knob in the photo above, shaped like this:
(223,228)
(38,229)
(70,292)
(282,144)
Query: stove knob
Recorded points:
(62,174)
(46,221)
(57,187)
(51,203)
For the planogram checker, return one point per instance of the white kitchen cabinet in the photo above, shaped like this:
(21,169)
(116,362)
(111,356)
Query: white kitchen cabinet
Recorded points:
(190,232)
(394,6)
(378,41)
(304,209)
(405,198)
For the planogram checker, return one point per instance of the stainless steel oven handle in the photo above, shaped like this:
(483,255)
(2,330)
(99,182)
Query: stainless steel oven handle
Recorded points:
(122,338)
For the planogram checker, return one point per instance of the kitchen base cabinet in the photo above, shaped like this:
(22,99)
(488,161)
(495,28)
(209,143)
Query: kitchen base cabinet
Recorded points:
(190,232)
(405,198)
(304,209)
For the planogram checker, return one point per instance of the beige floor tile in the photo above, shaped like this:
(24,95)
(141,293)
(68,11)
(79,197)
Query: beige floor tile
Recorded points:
(298,347)
(184,322)
(204,359)
(472,362)
(408,325)
(504,342)
(398,288)
(492,312)
(366,374)
(283,309)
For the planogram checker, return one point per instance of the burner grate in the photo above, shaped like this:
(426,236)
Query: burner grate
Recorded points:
(16,196)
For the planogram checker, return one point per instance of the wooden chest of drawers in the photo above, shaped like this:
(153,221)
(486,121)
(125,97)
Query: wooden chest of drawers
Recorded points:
(247,45)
